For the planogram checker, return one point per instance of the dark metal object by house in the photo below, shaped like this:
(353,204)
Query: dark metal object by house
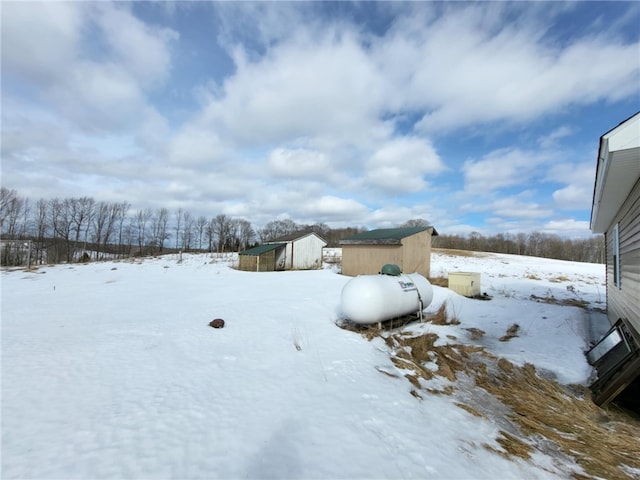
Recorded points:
(616,358)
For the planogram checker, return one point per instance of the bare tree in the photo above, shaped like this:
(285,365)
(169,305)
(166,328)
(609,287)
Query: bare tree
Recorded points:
(416,222)
(8,197)
(246,234)
(178,214)
(201,226)
(120,211)
(82,211)
(187,232)
(140,228)
(14,214)
(233,240)
(210,234)
(41,228)
(159,228)
(60,220)
(222,229)
(100,220)
(277,228)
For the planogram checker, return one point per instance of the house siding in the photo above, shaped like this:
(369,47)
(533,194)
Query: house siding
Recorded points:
(624,301)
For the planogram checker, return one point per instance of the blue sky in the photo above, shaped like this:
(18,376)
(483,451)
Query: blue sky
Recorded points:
(475,116)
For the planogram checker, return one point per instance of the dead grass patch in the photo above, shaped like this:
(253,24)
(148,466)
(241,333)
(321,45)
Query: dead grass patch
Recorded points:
(512,332)
(441,317)
(532,276)
(471,410)
(600,441)
(570,302)
(544,415)
(439,281)
(559,279)
(476,333)
(512,446)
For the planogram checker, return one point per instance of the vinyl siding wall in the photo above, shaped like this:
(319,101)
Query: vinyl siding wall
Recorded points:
(623,301)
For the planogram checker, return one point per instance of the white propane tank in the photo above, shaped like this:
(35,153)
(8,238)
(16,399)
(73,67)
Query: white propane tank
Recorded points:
(368,299)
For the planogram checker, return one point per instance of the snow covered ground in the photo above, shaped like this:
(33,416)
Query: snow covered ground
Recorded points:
(110,370)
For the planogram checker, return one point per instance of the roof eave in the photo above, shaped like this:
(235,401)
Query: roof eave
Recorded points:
(617,171)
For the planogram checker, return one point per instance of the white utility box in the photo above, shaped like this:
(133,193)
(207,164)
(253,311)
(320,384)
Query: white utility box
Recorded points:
(465,283)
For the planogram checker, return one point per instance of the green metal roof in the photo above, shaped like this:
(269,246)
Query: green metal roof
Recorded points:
(260,249)
(385,235)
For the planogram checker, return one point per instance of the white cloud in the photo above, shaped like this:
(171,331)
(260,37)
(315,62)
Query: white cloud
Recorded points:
(140,48)
(40,40)
(93,78)
(464,70)
(551,140)
(401,164)
(298,163)
(579,179)
(568,228)
(504,168)
(332,207)
(315,121)
(572,197)
(195,146)
(513,208)
(308,87)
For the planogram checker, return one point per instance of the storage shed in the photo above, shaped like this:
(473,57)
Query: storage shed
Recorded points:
(303,250)
(616,213)
(409,248)
(263,258)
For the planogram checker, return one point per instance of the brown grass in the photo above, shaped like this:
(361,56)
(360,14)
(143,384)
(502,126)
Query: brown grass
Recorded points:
(599,440)
(544,415)
(439,281)
(476,333)
(441,317)
(512,446)
(571,302)
(471,410)
(512,332)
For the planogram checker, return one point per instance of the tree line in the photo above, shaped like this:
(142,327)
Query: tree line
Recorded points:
(534,244)
(81,229)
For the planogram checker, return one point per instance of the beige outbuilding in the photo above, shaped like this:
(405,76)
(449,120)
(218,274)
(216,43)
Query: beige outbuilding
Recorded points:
(409,248)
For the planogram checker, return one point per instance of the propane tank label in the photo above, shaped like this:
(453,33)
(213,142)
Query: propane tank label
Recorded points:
(407,286)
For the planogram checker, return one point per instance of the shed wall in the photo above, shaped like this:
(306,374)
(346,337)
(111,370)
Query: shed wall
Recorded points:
(624,302)
(416,256)
(305,253)
(265,262)
(247,263)
(369,259)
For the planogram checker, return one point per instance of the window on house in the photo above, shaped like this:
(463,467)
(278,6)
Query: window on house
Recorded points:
(616,256)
